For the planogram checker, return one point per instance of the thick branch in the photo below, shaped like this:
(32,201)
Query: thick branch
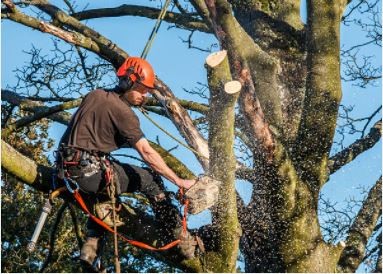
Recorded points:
(223,96)
(320,109)
(181,20)
(182,121)
(105,47)
(354,150)
(203,11)
(361,230)
(24,169)
(70,37)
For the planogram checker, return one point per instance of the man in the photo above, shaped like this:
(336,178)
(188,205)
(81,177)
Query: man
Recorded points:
(105,122)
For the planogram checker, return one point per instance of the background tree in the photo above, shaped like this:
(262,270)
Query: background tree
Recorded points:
(274,86)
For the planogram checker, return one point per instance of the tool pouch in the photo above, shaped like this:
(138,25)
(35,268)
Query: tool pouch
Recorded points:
(203,194)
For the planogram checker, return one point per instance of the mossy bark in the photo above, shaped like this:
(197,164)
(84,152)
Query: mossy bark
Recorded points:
(287,11)
(222,167)
(322,97)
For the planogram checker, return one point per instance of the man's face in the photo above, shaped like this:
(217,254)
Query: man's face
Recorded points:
(136,96)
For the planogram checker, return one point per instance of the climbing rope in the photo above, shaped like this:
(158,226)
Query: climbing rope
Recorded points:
(144,112)
(161,16)
(144,54)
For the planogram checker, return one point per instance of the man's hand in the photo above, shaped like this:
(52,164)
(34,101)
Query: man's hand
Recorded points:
(186,183)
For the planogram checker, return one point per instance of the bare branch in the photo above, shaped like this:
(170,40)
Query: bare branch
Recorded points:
(34,106)
(322,98)
(360,71)
(361,230)
(350,153)
(39,115)
(180,20)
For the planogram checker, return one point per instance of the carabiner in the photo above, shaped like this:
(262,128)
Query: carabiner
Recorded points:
(68,186)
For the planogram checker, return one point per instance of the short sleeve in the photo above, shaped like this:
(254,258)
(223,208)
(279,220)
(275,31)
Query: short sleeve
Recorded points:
(128,128)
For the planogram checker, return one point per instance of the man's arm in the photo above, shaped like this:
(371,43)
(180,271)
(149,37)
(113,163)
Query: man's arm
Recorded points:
(156,162)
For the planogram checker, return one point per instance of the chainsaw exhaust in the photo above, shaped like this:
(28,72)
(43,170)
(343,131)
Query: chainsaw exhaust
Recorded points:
(43,217)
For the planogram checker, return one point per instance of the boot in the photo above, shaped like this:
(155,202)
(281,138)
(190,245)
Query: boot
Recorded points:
(89,250)
(188,244)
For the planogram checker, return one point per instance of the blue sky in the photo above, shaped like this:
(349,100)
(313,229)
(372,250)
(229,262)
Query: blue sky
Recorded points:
(180,68)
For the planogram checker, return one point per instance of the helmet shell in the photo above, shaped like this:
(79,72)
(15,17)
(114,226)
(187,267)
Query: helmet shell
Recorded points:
(138,70)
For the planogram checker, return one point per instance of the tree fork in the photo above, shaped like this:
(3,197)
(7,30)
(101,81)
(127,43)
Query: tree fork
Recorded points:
(223,97)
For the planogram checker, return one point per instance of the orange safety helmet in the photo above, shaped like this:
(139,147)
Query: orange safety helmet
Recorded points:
(137,70)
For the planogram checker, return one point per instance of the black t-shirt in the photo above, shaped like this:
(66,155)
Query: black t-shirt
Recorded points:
(103,122)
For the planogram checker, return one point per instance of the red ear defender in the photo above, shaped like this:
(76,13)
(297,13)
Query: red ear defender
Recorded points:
(138,70)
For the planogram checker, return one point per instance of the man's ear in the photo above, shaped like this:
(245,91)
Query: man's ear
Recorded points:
(124,83)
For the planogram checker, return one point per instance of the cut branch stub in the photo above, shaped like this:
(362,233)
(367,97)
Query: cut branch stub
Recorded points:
(233,87)
(216,58)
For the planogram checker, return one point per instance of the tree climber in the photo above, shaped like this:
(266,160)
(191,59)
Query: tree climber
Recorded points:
(105,122)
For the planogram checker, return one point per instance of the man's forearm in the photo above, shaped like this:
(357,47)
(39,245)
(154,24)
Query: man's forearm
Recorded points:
(156,162)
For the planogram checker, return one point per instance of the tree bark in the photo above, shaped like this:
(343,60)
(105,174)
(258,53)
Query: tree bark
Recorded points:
(322,98)
(223,97)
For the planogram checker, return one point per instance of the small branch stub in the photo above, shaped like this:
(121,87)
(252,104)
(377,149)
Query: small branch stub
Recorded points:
(216,58)
(233,87)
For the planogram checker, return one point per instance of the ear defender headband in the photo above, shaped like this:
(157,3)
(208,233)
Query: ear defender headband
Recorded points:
(127,81)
